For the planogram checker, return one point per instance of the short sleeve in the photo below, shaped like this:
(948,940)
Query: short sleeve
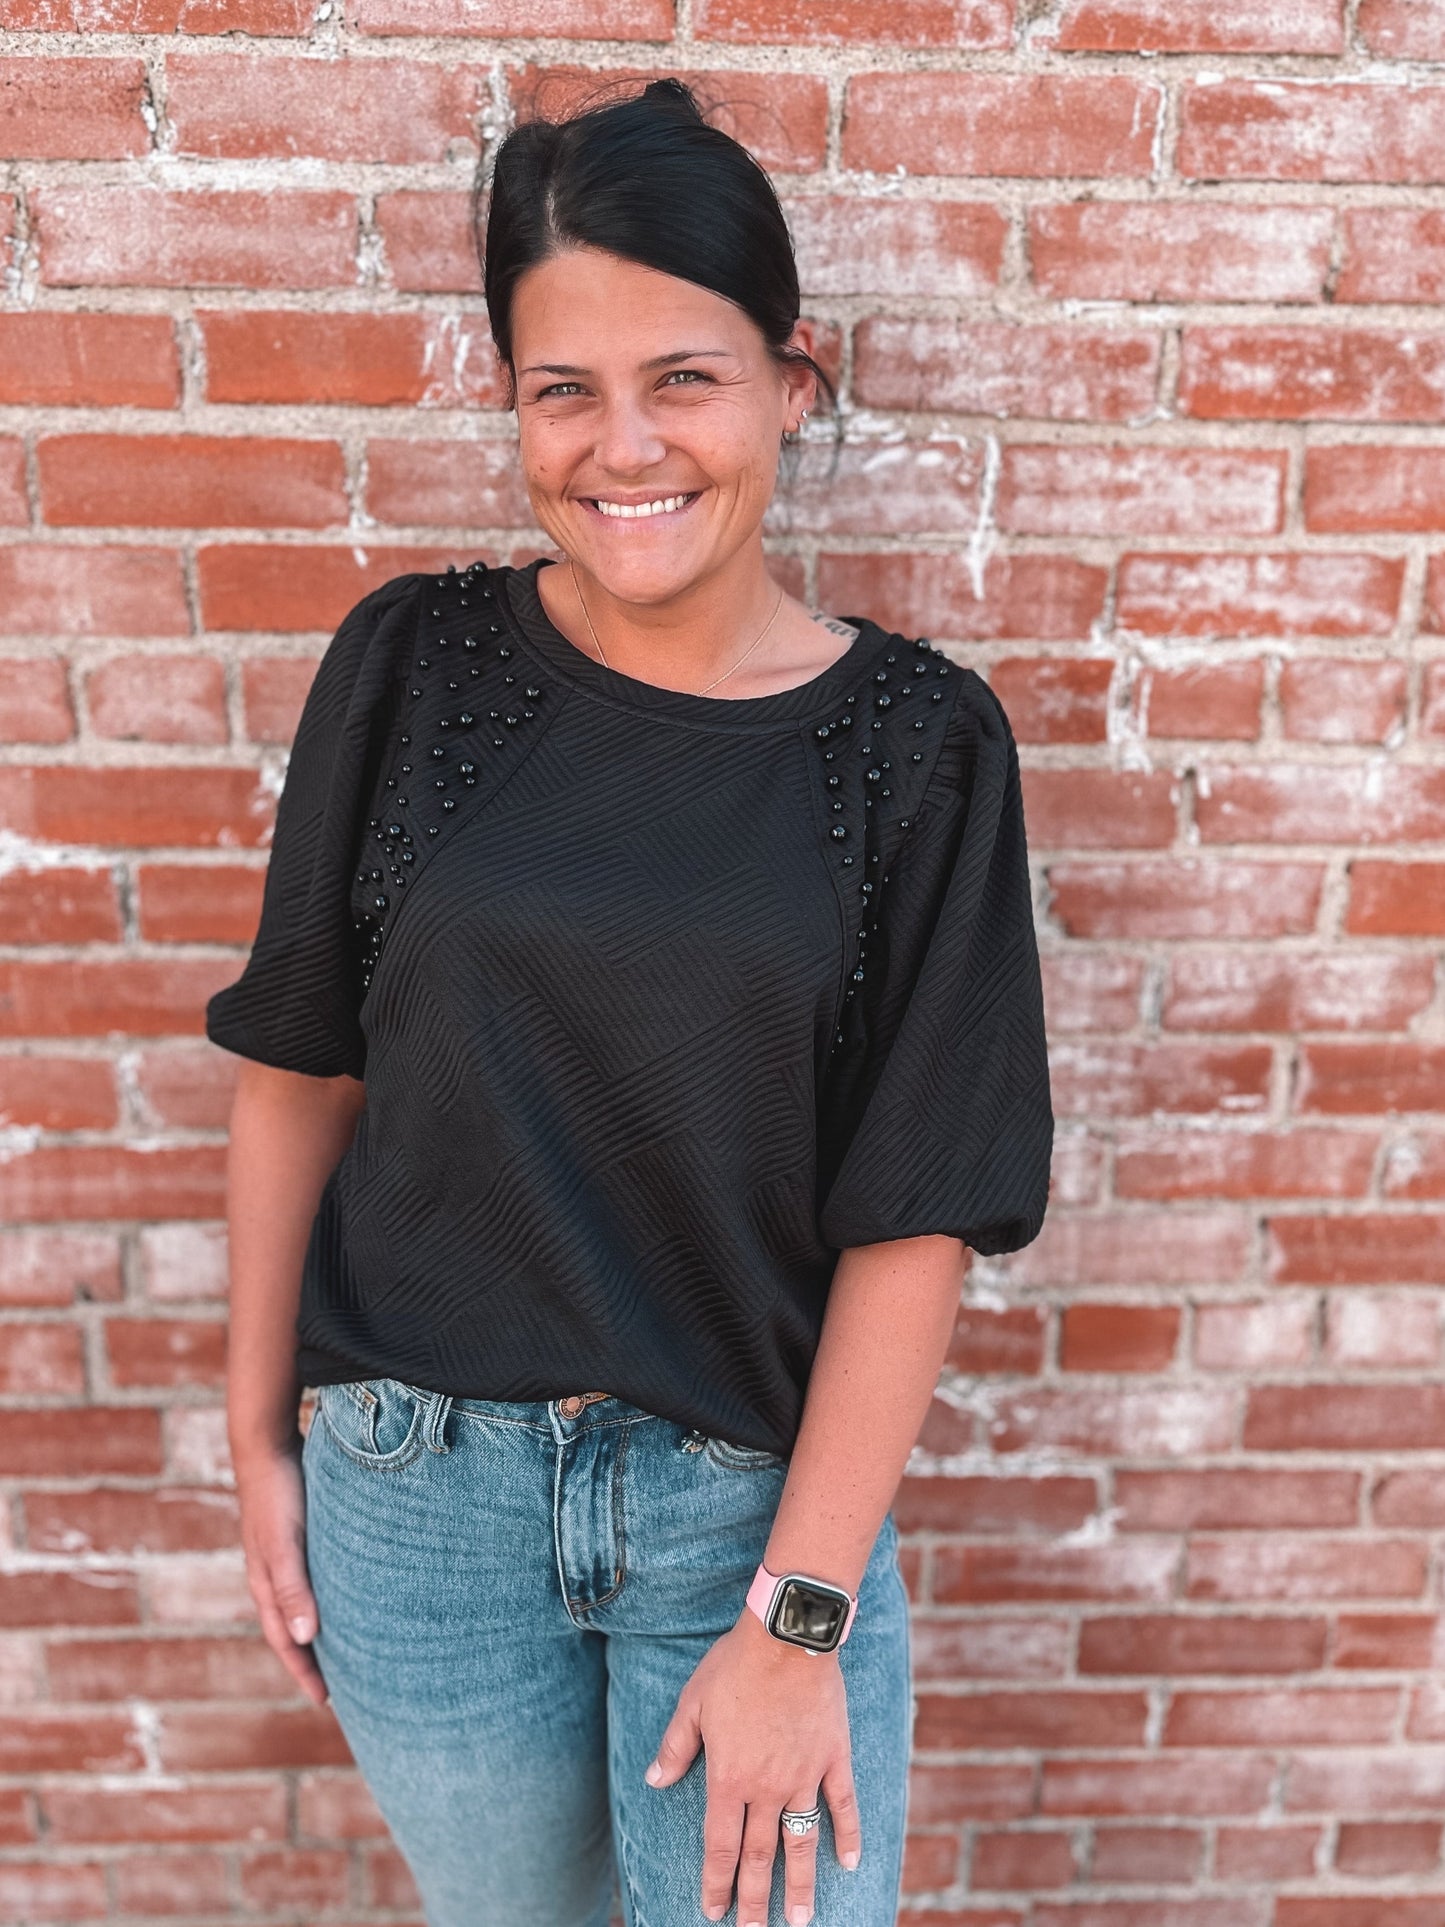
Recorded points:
(296,1004)
(940,1121)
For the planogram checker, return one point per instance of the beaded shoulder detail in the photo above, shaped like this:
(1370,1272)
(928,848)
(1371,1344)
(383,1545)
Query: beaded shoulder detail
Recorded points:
(873,760)
(467,711)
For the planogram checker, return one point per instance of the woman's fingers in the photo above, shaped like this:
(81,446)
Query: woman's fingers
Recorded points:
(800,1867)
(722,1833)
(755,1863)
(842,1801)
(273,1514)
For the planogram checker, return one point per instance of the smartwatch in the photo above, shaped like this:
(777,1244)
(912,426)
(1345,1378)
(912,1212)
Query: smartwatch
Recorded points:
(801,1610)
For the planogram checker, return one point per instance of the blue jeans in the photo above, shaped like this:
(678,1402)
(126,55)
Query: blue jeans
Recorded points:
(511,1600)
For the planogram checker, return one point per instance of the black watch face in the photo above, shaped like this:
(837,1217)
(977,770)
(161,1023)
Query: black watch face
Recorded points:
(808,1615)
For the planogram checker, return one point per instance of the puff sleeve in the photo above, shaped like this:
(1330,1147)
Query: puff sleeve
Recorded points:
(296,1004)
(939,1118)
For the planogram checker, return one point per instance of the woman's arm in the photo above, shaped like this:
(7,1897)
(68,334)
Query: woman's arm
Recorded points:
(773,1719)
(288,1132)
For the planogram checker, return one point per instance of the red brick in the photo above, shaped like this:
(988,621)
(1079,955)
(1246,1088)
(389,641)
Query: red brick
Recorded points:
(315,1878)
(900,23)
(1342,699)
(1012,1507)
(1288,129)
(201,1739)
(940,1793)
(1259,595)
(443,483)
(1370,1847)
(1234,1500)
(986,1341)
(1086,808)
(1008,1649)
(122,807)
(1119,1338)
(55,589)
(1212,990)
(1237,1911)
(1414,1168)
(160,1668)
(929,1861)
(1397,899)
(91,998)
(1308,1570)
(171,1883)
(1314,803)
(1063,373)
(58,109)
(1358,486)
(106,1181)
(1126,1422)
(1349,1418)
(1361,1910)
(97,1597)
(1269,1853)
(1236,26)
(1033,125)
(291,587)
(1079,490)
(165,1351)
(994,1722)
(1432,699)
(1176,1247)
(43,1741)
(1150,1785)
(976,1575)
(198,903)
(90,1441)
(14,506)
(1176,1645)
(1092,990)
(1055,699)
(1151,1856)
(1401,29)
(186,1087)
(1366,1783)
(849,245)
(1021,1862)
(113,1520)
(48,359)
(1411,1498)
(1254,1337)
(550,19)
(291,17)
(35,700)
(371,360)
(1299,1716)
(780,117)
(186,481)
(1392,254)
(427,236)
(54,1093)
(398,111)
(1343,1077)
(1051,597)
(201,237)
(64,904)
(240,1810)
(1297,1163)
(1364,1249)
(1388,1642)
(159,699)
(1128,1079)
(41,1360)
(1435,594)
(58,1268)
(1216,702)
(1426,1717)
(1179,251)
(40,1890)
(1382,1331)
(1185,897)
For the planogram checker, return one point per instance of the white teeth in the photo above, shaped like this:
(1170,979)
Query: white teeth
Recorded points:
(642,508)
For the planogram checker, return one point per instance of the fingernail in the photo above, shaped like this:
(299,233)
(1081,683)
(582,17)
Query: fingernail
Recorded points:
(850,1859)
(300,1630)
(714,1913)
(654,1774)
(800,1915)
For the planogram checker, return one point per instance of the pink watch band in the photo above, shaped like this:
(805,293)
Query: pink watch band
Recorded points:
(760,1598)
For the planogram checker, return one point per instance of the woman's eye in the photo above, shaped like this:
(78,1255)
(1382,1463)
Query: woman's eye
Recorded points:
(556,389)
(696,373)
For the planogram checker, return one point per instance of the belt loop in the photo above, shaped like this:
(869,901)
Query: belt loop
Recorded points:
(434,1431)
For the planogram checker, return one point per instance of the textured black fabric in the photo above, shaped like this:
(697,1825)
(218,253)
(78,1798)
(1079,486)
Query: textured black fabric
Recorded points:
(660,1001)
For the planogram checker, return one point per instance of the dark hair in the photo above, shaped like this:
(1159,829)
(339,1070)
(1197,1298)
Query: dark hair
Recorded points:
(645,178)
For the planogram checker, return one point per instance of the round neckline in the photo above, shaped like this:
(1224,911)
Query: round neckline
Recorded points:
(517,588)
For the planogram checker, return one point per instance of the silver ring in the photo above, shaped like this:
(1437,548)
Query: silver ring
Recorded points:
(801,1821)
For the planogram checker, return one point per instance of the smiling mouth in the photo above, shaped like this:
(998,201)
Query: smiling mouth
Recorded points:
(640,511)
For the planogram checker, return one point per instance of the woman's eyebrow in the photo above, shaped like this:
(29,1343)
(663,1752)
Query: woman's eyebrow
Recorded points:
(657,361)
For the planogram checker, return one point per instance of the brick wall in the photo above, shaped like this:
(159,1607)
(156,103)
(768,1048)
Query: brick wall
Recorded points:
(1133,303)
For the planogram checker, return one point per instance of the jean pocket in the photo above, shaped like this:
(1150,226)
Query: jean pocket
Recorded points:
(375,1421)
(743,1458)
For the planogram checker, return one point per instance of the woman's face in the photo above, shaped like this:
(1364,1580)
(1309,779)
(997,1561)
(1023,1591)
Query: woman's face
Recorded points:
(639,389)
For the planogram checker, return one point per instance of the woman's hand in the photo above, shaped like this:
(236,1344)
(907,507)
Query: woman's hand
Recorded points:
(273,1532)
(773,1723)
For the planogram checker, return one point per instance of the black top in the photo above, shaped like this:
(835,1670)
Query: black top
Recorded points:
(660,1000)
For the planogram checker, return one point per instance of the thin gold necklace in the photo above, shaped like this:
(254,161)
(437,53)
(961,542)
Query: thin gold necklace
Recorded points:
(716,679)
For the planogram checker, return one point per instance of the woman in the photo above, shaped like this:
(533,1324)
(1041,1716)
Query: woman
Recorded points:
(646,999)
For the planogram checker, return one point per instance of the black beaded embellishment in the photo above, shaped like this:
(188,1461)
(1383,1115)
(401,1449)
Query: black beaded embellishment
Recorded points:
(875,757)
(469,709)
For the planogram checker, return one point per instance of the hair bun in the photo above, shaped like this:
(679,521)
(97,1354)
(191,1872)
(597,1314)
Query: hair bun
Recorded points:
(671,92)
